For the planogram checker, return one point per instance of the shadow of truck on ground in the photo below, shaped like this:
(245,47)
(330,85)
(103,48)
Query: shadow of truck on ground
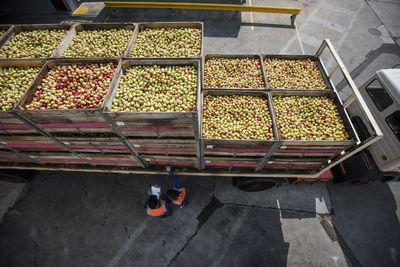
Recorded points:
(367,218)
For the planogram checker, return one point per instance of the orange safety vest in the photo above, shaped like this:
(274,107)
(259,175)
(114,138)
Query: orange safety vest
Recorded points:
(158,211)
(181,196)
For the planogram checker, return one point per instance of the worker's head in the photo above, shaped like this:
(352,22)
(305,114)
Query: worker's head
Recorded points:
(153,201)
(173,194)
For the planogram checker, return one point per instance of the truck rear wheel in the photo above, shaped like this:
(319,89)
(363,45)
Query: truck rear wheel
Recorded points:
(253,185)
(16,176)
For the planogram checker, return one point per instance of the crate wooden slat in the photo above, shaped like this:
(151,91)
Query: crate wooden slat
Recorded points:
(6,29)
(235,148)
(231,56)
(288,159)
(62,157)
(171,160)
(10,125)
(112,159)
(31,143)
(12,157)
(294,164)
(184,147)
(70,120)
(211,162)
(99,144)
(95,26)
(157,25)
(155,124)
(316,152)
(28,27)
(301,57)
(95,158)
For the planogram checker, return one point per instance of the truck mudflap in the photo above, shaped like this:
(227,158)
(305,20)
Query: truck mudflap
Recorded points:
(359,169)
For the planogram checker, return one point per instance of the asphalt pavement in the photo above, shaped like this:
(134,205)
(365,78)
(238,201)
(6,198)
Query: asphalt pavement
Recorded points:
(80,219)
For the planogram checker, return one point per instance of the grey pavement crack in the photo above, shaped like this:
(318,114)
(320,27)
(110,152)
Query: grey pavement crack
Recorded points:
(213,188)
(388,2)
(113,189)
(104,220)
(183,248)
(109,198)
(371,56)
(83,187)
(214,204)
(373,11)
(35,256)
(27,189)
(204,215)
(126,230)
(273,208)
(35,183)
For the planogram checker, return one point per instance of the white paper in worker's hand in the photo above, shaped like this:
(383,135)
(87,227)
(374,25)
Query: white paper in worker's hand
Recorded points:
(156,190)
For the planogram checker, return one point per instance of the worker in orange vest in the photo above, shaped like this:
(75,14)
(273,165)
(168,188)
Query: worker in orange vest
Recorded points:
(157,207)
(178,194)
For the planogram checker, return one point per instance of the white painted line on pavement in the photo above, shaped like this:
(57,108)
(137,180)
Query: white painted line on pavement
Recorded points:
(251,18)
(298,37)
(285,49)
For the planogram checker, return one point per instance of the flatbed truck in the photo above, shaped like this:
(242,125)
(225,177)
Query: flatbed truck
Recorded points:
(371,116)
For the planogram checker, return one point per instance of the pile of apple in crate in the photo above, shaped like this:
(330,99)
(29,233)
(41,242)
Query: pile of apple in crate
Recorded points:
(143,95)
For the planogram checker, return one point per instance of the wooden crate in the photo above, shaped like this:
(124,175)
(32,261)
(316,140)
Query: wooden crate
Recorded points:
(299,154)
(157,25)
(96,26)
(155,124)
(9,123)
(29,27)
(294,57)
(230,56)
(70,120)
(224,153)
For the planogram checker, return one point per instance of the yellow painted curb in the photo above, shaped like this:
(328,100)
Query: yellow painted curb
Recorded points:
(266,9)
(80,11)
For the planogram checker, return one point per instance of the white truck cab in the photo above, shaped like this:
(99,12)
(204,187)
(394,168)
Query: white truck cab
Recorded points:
(381,93)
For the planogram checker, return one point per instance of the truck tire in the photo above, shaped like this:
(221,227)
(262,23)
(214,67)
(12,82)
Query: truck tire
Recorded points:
(16,176)
(253,185)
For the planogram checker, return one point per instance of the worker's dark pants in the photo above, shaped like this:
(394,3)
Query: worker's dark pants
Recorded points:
(167,205)
(178,185)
